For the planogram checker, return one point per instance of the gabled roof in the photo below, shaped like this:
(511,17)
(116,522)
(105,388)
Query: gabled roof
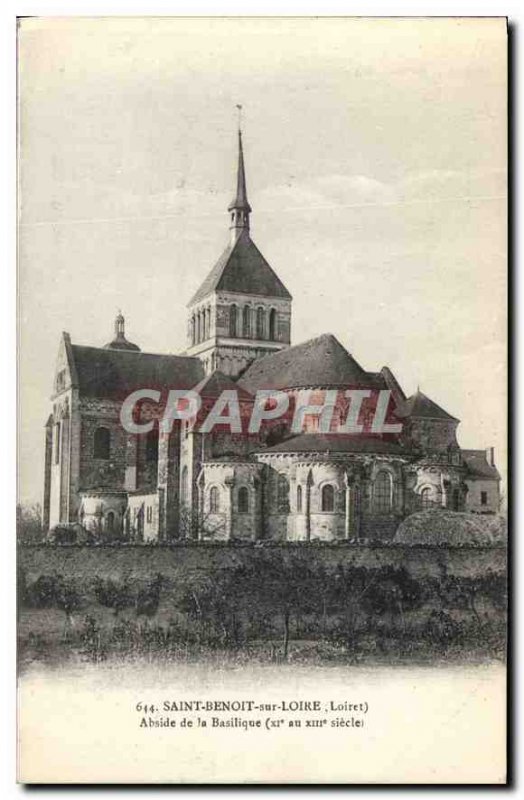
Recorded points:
(336,443)
(242,269)
(110,373)
(320,362)
(419,405)
(213,385)
(478,465)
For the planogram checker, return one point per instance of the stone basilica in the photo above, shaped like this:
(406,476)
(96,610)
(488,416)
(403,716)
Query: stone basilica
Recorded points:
(222,486)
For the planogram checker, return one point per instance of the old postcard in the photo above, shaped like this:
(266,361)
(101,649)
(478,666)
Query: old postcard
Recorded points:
(262,465)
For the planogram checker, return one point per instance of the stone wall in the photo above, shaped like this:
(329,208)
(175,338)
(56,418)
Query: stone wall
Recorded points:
(140,562)
(474,495)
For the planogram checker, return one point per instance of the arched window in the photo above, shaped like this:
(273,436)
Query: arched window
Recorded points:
(233,321)
(282,495)
(299,499)
(152,445)
(183,486)
(102,443)
(272,324)
(383,491)
(243,500)
(208,326)
(260,323)
(214,500)
(193,337)
(328,497)
(246,322)
(110,521)
(425,498)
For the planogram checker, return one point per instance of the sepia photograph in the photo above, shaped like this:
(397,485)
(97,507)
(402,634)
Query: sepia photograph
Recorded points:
(262,413)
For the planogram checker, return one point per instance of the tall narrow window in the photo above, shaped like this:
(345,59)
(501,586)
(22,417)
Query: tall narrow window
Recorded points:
(193,330)
(57,442)
(260,323)
(246,322)
(383,492)
(152,445)
(214,500)
(282,495)
(233,321)
(328,497)
(273,324)
(102,443)
(110,521)
(243,500)
(483,498)
(299,499)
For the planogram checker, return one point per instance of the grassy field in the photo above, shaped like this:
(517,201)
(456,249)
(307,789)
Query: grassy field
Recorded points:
(264,610)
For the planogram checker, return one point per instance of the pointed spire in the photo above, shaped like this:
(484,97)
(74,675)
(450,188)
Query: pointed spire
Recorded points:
(239,208)
(240,202)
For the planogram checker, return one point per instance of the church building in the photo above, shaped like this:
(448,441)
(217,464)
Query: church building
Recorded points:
(276,485)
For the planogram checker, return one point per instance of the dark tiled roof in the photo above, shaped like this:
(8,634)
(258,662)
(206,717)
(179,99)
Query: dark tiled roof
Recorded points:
(418,405)
(242,269)
(213,385)
(115,373)
(478,465)
(121,343)
(336,443)
(319,362)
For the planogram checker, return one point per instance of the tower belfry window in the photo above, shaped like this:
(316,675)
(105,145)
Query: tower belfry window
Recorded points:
(233,321)
(246,322)
(260,323)
(272,324)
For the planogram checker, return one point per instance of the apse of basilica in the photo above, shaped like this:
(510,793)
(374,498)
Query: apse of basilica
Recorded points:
(277,485)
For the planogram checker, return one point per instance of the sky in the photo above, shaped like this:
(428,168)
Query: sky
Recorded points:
(376,167)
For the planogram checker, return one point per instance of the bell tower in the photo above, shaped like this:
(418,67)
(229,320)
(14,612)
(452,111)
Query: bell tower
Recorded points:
(242,310)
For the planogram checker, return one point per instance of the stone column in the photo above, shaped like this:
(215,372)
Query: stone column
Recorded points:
(130,479)
(168,480)
(64,465)
(309,483)
(200,506)
(349,498)
(230,485)
(46,500)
